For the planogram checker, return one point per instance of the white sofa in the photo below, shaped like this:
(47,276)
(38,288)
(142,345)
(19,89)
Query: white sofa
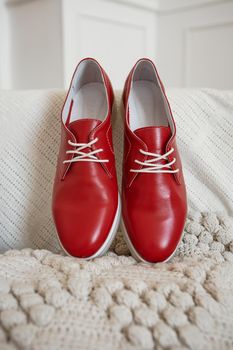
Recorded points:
(50,301)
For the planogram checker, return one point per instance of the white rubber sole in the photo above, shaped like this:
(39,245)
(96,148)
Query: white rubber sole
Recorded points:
(111,235)
(135,254)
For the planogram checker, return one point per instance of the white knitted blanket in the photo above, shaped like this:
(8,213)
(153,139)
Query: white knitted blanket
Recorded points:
(54,302)
(29,140)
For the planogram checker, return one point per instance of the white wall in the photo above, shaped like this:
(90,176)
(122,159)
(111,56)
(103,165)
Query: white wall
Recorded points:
(116,34)
(36,43)
(190,40)
(196,43)
(4,48)
(1,40)
(49,37)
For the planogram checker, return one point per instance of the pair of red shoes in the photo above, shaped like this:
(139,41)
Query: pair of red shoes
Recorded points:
(86,202)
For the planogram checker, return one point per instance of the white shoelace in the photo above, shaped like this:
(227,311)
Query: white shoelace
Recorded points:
(150,165)
(84,156)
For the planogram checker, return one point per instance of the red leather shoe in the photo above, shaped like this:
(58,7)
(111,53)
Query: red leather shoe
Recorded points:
(86,205)
(154,202)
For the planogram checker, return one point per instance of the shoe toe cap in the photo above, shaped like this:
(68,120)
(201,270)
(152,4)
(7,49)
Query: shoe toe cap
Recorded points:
(81,232)
(155,239)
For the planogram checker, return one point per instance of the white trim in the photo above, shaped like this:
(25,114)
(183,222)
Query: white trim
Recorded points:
(170,6)
(145,4)
(166,6)
(154,5)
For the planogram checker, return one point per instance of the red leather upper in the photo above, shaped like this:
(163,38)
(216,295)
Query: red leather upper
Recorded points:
(85,195)
(154,205)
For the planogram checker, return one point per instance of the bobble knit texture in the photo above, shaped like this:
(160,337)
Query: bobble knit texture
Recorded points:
(51,301)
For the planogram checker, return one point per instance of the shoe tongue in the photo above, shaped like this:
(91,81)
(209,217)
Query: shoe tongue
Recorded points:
(82,128)
(155,137)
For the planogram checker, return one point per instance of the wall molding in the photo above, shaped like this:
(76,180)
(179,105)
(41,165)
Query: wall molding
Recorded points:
(17,2)
(102,19)
(111,18)
(145,4)
(186,36)
(160,6)
(166,22)
(174,6)
(168,6)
